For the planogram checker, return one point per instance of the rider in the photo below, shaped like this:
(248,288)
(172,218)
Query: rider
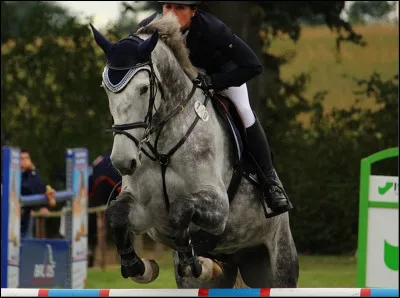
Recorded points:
(229,63)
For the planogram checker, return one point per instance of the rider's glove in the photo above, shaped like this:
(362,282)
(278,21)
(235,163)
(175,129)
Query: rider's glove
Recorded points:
(203,81)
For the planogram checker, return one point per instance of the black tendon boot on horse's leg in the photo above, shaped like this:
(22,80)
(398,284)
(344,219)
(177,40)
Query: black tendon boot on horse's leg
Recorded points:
(139,270)
(117,219)
(274,193)
(131,264)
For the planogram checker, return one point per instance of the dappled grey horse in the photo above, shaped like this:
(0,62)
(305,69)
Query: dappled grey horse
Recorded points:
(176,154)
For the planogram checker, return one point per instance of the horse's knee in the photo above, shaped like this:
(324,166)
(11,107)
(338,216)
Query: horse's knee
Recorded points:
(181,212)
(117,214)
(205,209)
(212,210)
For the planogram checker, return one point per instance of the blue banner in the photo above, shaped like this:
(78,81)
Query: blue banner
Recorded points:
(44,263)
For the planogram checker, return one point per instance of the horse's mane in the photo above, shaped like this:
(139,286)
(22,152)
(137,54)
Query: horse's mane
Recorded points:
(169,32)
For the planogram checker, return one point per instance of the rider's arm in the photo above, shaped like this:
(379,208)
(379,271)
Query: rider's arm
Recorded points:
(231,46)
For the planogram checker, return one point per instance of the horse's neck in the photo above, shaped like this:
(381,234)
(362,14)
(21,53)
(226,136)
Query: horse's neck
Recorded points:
(175,83)
(176,88)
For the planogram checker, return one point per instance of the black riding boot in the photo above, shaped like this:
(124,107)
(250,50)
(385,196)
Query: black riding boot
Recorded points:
(259,148)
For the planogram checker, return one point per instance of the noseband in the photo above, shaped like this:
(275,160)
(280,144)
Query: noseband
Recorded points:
(150,128)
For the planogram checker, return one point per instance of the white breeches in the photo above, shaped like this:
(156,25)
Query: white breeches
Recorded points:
(240,98)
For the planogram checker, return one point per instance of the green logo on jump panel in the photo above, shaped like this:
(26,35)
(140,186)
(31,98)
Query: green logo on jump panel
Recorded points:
(391,256)
(385,189)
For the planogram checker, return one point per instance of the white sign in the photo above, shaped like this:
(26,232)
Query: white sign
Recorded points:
(382,248)
(79,227)
(14,223)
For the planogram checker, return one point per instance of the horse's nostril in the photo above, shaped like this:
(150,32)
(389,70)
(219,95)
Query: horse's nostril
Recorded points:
(132,165)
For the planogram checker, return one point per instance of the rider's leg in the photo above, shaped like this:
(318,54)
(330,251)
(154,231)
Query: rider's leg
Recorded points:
(258,146)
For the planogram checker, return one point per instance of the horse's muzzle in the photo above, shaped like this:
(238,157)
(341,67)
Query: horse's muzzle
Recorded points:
(126,165)
(126,168)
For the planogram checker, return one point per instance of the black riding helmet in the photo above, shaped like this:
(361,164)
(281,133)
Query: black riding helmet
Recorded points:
(182,2)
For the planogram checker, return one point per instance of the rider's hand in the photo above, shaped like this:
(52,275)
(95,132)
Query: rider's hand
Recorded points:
(203,81)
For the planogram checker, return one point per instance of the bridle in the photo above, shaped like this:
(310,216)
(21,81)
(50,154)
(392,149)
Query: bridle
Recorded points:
(150,127)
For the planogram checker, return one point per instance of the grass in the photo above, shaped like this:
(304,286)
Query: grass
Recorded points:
(315,272)
(315,53)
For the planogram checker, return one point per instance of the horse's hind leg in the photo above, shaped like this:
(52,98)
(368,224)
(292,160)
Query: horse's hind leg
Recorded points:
(255,267)
(273,264)
(227,280)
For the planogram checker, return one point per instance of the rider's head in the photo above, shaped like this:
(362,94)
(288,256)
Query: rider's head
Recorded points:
(184,10)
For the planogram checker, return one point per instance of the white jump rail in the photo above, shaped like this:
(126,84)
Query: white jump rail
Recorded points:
(260,292)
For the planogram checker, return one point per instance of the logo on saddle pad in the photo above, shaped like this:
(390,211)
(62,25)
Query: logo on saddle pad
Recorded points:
(201,111)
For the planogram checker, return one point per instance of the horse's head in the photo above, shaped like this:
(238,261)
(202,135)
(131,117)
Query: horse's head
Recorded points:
(136,68)
(130,83)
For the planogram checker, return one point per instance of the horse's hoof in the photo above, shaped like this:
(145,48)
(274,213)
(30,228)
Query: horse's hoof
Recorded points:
(150,273)
(203,268)
(132,266)
(211,270)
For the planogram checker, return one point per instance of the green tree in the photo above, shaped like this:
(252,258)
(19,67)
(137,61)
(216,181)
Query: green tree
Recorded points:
(127,22)
(51,95)
(361,11)
(328,156)
(29,19)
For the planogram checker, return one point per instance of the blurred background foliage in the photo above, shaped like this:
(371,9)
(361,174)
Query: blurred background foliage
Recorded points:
(327,98)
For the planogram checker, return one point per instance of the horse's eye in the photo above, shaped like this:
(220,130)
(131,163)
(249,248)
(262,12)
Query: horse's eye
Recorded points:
(143,90)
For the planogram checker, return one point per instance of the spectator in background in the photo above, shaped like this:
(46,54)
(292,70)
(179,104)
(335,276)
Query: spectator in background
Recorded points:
(102,181)
(31,184)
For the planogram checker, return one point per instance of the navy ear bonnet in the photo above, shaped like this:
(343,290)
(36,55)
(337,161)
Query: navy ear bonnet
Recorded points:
(124,58)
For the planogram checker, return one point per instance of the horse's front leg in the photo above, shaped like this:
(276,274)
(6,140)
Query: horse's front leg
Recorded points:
(207,209)
(117,214)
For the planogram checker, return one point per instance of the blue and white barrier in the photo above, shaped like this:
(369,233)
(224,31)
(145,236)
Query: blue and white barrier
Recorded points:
(263,292)
(33,263)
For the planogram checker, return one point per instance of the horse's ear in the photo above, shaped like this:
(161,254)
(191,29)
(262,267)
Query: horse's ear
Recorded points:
(146,47)
(103,42)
